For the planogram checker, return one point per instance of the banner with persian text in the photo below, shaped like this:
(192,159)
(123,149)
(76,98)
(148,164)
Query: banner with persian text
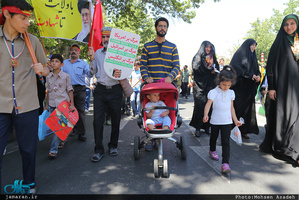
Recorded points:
(67,19)
(121,53)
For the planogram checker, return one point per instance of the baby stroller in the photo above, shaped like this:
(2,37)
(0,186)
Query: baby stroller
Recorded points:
(169,95)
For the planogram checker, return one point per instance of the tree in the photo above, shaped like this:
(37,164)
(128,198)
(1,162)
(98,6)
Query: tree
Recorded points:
(183,9)
(136,16)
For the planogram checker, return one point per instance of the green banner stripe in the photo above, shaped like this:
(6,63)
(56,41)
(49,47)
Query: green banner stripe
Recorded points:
(122,53)
(124,43)
(118,63)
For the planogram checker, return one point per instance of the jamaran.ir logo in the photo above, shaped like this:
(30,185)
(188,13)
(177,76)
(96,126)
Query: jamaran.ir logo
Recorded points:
(17,188)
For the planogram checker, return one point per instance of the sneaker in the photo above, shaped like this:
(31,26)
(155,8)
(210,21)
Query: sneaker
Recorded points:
(113,151)
(225,168)
(149,146)
(213,155)
(31,189)
(97,157)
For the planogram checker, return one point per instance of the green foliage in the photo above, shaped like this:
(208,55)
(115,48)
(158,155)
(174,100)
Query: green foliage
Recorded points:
(264,31)
(183,9)
(136,16)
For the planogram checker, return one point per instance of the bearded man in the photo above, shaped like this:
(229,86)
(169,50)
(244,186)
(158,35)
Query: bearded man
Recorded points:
(107,95)
(160,58)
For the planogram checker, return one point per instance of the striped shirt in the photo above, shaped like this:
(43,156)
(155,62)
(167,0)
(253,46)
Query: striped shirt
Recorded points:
(159,61)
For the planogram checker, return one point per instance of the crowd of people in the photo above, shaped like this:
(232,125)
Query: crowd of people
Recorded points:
(222,93)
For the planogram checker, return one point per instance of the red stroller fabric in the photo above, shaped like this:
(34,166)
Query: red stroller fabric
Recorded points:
(168,94)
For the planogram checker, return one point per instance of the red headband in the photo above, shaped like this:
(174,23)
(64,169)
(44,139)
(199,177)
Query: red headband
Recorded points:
(13,9)
(76,48)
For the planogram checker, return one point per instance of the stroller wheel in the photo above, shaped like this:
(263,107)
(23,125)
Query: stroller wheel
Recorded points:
(136,147)
(165,169)
(183,147)
(156,168)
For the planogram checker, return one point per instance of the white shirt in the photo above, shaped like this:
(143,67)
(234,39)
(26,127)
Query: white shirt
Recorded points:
(158,112)
(222,101)
(136,76)
(97,66)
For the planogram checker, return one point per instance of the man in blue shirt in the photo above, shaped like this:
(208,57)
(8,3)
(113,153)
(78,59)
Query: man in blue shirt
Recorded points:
(77,69)
(160,58)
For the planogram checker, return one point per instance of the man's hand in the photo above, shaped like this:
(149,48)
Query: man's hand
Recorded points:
(90,53)
(168,79)
(149,80)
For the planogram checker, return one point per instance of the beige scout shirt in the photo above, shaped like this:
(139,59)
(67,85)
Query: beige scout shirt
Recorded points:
(63,84)
(18,88)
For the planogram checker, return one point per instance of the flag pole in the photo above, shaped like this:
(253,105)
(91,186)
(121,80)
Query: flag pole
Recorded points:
(42,41)
(31,52)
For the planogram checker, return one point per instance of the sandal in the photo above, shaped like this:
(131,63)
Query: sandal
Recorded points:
(61,145)
(52,155)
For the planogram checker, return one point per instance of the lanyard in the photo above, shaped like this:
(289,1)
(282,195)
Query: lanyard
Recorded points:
(13,60)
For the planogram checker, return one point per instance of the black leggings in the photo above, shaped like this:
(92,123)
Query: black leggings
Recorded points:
(225,135)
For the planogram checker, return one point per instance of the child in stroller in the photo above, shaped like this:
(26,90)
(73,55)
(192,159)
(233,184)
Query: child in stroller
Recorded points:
(156,116)
(158,132)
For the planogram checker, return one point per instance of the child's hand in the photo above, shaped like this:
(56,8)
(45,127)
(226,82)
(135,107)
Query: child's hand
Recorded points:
(46,108)
(205,118)
(238,123)
(163,114)
(72,107)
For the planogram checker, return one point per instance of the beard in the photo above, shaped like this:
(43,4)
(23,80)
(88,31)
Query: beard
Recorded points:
(161,34)
(105,45)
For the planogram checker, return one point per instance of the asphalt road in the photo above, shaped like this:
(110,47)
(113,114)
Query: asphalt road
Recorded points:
(72,172)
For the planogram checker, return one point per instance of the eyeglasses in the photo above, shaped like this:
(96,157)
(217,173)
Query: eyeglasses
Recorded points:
(162,26)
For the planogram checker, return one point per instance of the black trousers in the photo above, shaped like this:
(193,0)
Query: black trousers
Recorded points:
(79,102)
(111,98)
(225,139)
(184,87)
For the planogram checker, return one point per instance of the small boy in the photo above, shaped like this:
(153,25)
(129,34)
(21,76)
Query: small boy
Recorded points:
(59,89)
(135,80)
(159,116)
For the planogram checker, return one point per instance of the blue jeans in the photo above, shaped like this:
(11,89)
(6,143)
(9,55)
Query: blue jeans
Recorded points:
(166,121)
(135,97)
(56,140)
(87,99)
(26,128)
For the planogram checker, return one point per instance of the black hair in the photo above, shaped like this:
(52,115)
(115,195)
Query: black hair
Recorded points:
(137,62)
(161,19)
(57,56)
(22,4)
(228,73)
(83,4)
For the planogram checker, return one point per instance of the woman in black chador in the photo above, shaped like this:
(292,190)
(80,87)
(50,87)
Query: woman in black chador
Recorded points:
(204,64)
(282,134)
(248,77)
